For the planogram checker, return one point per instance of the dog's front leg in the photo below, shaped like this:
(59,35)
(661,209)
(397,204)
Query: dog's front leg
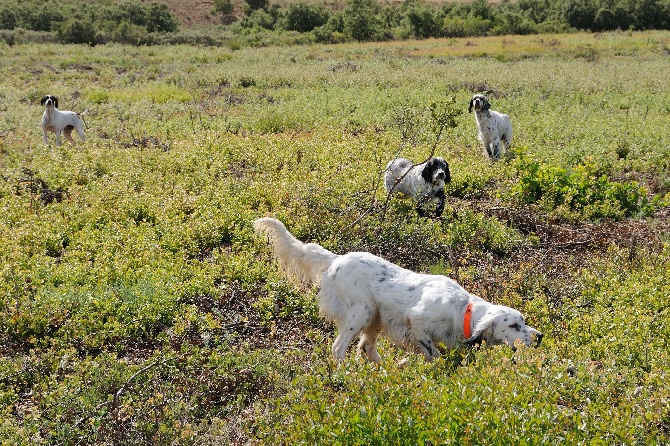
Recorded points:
(440,204)
(496,149)
(419,207)
(44,135)
(426,347)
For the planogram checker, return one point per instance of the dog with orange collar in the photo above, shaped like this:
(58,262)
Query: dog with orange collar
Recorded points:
(365,296)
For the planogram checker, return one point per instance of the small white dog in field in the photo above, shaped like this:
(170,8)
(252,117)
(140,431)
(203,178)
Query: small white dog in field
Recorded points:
(495,129)
(56,121)
(365,295)
(424,182)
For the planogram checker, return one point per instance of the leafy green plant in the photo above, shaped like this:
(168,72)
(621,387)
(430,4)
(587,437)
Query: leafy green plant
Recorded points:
(583,192)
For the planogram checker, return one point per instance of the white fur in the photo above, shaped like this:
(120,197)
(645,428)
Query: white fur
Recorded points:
(56,121)
(495,129)
(365,295)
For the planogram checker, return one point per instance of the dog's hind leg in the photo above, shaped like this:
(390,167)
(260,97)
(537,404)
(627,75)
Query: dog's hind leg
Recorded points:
(67,134)
(80,131)
(355,320)
(368,345)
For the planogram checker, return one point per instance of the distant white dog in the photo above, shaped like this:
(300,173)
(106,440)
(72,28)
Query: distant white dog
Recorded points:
(366,295)
(495,129)
(56,121)
(424,182)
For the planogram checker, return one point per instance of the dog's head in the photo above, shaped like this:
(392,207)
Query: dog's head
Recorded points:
(504,325)
(436,171)
(479,102)
(49,101)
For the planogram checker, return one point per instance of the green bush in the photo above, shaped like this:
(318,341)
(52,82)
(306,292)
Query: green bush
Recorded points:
(254,5)
(303,17)
(361,20)
(584,192)
(464,27)
(160,19)
(258,18)
(423,20)
(77,31)
(224,7)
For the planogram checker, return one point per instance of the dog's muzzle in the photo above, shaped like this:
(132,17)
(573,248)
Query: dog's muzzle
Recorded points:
(538,339)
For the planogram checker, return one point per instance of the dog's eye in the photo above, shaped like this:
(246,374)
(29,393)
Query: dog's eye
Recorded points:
(515,326)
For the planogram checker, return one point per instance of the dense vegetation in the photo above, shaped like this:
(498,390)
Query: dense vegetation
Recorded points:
(137,306)
(88,22)
(359,20)
(367,20)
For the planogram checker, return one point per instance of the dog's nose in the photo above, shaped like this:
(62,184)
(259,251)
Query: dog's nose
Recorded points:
(538,339)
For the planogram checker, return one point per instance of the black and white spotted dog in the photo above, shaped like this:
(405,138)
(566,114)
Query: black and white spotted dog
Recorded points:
(422,182)
(495,129)
(56,121)
(367,296)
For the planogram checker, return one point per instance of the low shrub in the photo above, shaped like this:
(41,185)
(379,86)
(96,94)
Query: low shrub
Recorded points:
(583,192)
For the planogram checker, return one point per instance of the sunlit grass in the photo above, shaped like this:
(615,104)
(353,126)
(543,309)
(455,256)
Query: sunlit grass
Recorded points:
(142,308)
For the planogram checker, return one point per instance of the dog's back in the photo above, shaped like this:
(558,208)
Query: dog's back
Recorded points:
(395,169)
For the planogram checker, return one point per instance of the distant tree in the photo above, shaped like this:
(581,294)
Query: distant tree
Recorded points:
(579,14)
(224,7)
(134,13)
(253,5)
(481,9)
(7,18)
(76,31)
(160,19)
(41,19)
(258,19)
(422,18)
(361,21)
(649,14)
(303,17)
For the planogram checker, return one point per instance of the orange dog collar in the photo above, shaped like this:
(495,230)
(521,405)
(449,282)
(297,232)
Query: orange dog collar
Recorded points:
(466,321)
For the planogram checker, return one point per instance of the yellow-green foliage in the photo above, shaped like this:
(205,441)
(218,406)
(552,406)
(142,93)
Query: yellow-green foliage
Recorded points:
(138,307)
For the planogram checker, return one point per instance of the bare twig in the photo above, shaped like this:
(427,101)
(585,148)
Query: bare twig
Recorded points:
(117,395)
(443,116)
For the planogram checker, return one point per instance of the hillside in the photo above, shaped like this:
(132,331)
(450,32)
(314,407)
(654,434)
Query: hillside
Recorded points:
(197,12)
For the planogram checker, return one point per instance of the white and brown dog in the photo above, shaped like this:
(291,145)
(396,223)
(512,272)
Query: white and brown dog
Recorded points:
(422,182)
(56,121)
(495,129)
(365,295)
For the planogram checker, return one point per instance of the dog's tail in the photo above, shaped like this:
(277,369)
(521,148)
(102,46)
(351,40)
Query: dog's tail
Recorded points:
(81,116)
(304,262)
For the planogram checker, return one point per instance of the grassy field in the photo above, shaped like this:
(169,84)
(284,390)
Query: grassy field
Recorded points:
(138,307)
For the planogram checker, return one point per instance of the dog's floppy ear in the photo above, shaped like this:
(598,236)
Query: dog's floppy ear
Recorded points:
(44,99)
(55,99)
(487,104)
(483,330)
(470,108)
(427,172)
(447,173)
